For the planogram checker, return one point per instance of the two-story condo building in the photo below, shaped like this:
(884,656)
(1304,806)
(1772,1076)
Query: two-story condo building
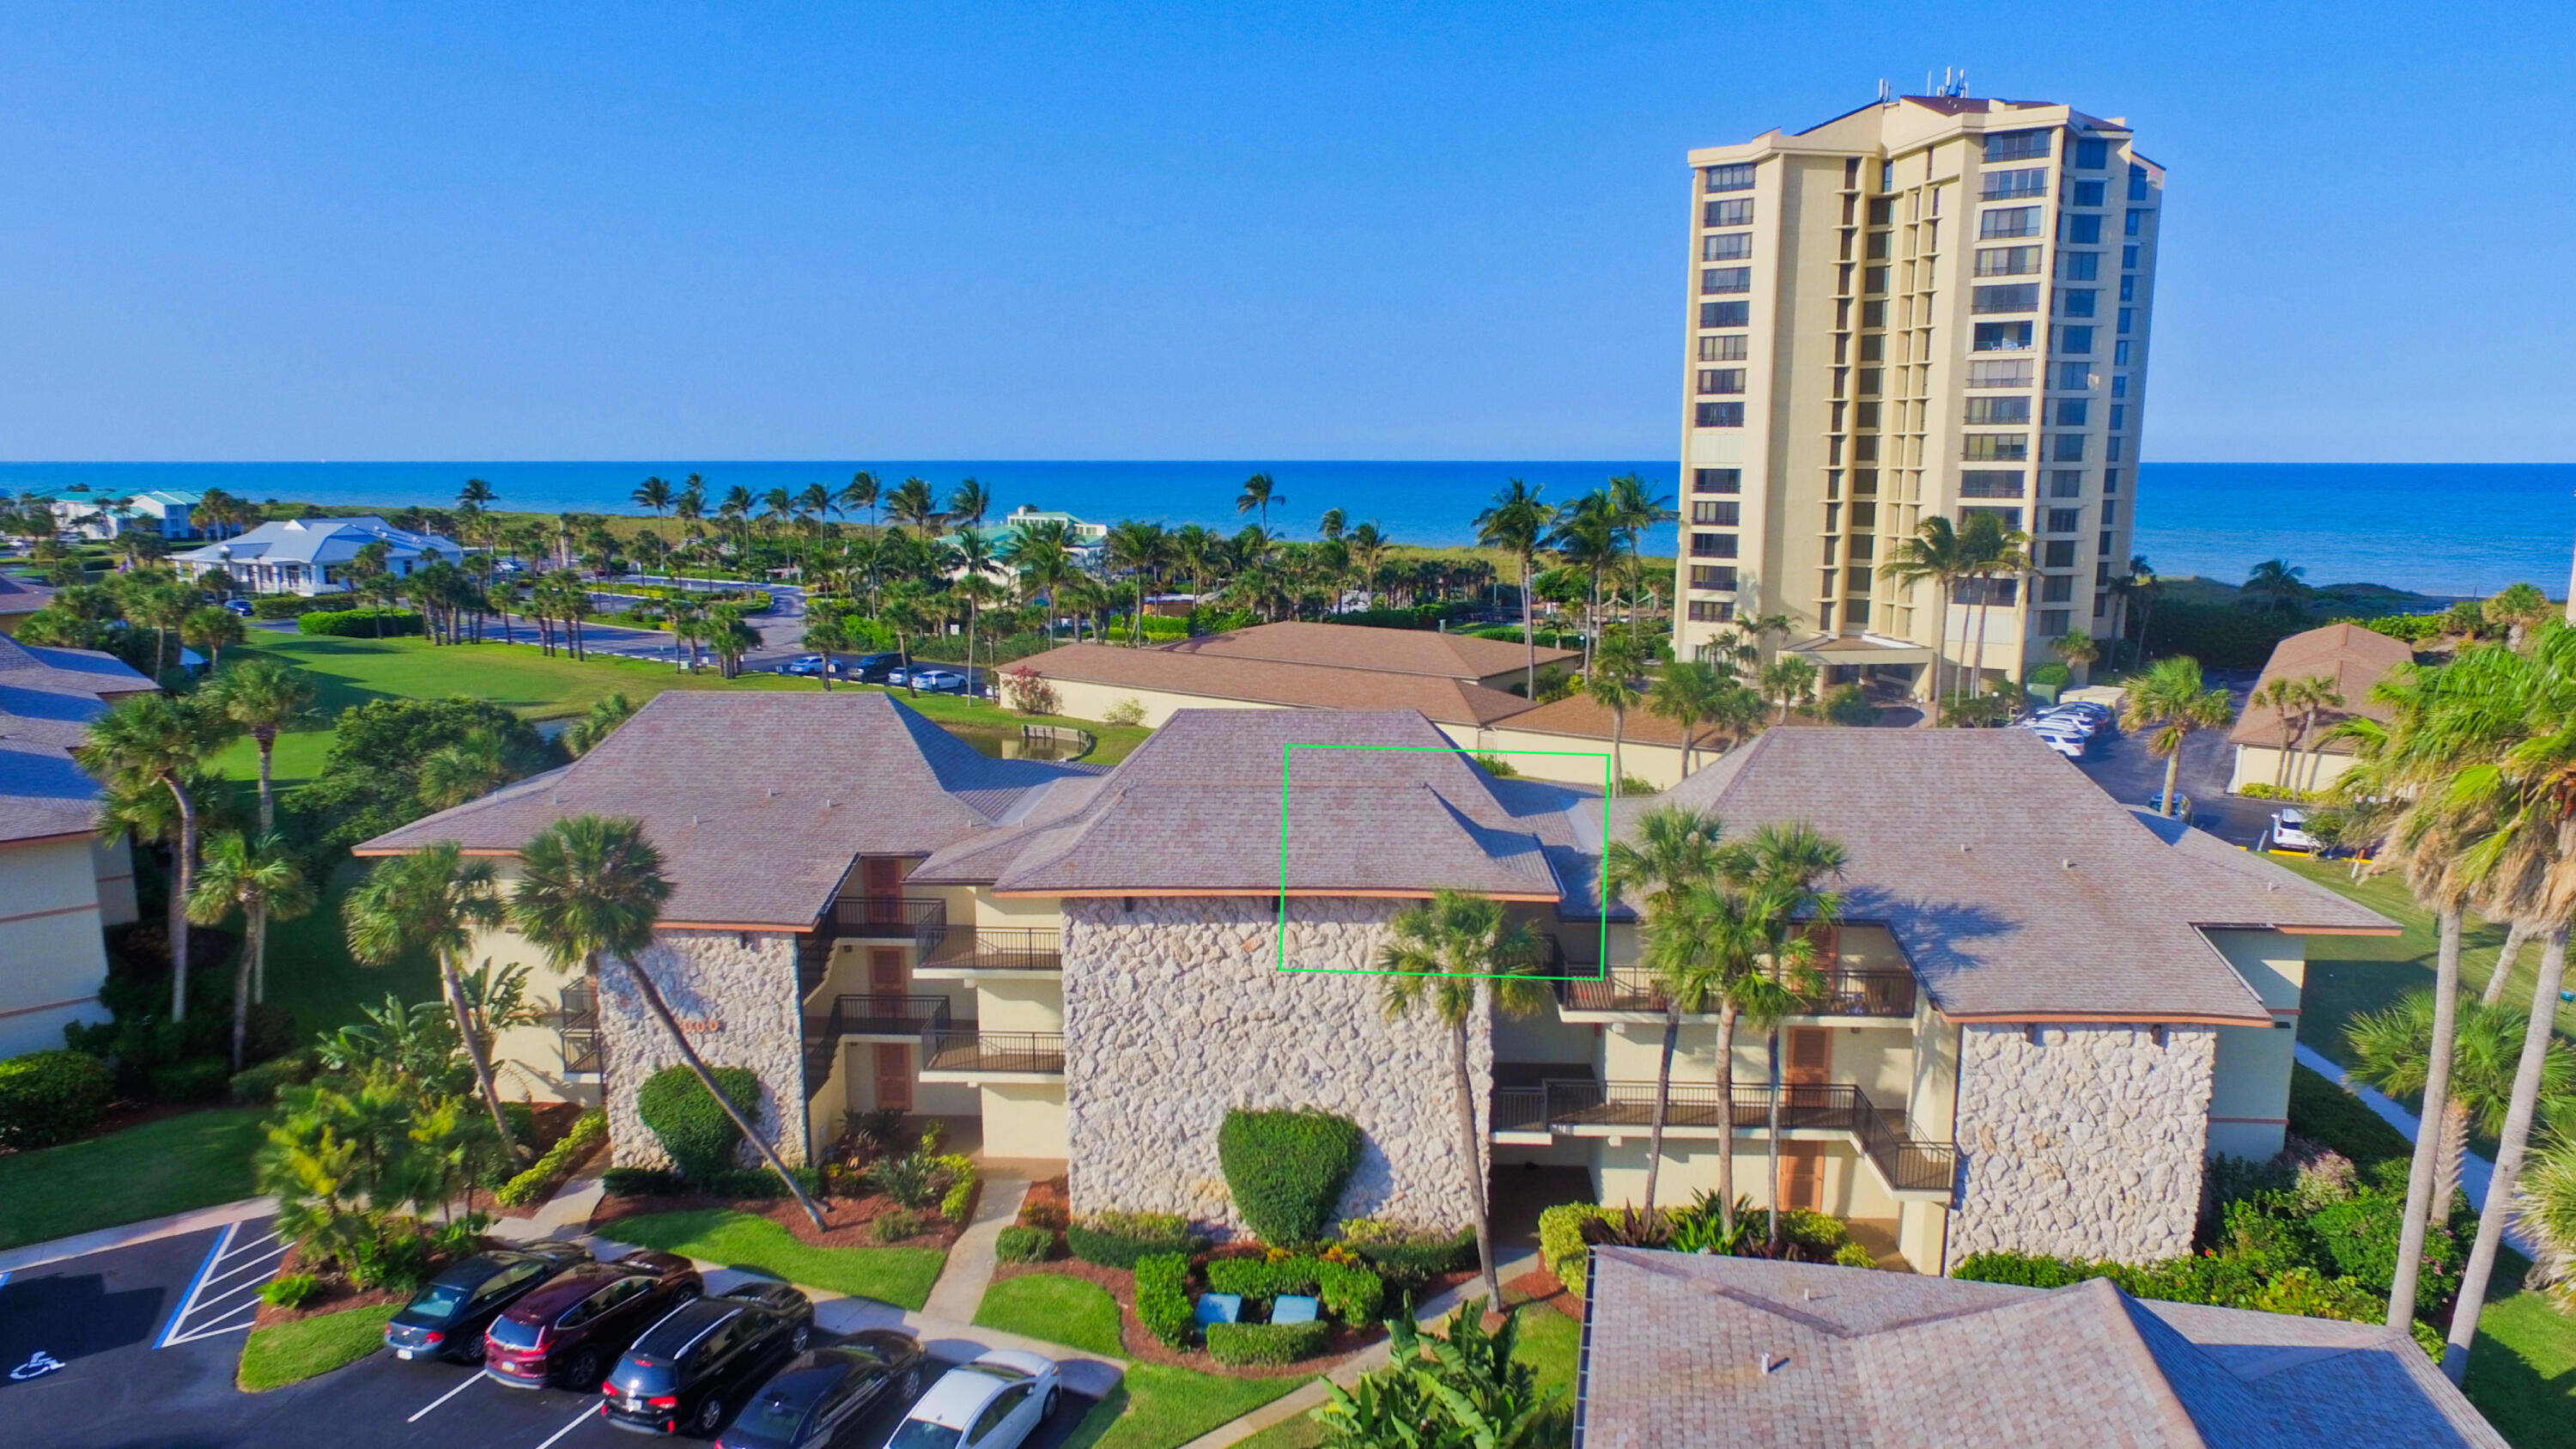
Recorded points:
(2044,1012)
(311,556)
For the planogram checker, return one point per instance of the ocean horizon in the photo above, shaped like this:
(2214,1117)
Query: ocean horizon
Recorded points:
(2447,529)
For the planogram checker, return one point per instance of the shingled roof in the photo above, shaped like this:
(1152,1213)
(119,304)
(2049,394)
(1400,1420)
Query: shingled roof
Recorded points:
(1435,653)
(1683,1351)
(17,596)
(760,803)
(1378,803)
(1439,697)
(47,699)
(2017,888)
(2353,657)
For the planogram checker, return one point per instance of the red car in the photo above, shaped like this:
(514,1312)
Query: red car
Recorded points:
(576,1324)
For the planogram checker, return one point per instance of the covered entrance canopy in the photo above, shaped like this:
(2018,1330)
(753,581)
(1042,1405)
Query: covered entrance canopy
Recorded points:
(1862,649)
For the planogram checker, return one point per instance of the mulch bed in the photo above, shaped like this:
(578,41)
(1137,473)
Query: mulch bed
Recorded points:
(1539,1286)
(847,1220)
(337,1294)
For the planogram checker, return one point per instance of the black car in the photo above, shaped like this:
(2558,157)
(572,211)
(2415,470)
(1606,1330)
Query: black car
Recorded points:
(821,1395)
(873,668)
(446,1318)
(688,1368)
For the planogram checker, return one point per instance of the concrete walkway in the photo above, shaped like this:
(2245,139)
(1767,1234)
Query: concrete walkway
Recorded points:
(175,1225)
(960,1289)
(2475,1171)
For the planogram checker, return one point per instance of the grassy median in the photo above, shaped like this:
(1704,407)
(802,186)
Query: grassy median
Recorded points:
(901,1276)
(288,1353)
(190,1161)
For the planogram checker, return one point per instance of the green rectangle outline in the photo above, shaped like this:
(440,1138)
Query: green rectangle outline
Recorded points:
(1280,934)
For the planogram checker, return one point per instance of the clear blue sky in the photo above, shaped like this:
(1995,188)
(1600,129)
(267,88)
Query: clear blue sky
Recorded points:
(1373,230)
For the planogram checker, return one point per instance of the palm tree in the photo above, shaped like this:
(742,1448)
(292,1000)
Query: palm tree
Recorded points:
(1138,548)
(1194,551)
(862,491)
(434,901)
(2076,647)
(969,501)
(1936,552)
(2520,608)
(587,732)
(1587,537)
(2171,701)
(975,562)
(2276,696)
(654,493)
(1450,957)
(1257,496)
(911,503)
(1637,507)
(1515,523)
(2393,1051)
(1997,553)
(261,880)
(468,769)
(1616,663)
(2310,697)
(1040,556)
(154,739)
(1789,680)
(827,632)
(1675,853)
(2276,581)
(2138,582)
(1784,868)
(591,887)
(1686,693)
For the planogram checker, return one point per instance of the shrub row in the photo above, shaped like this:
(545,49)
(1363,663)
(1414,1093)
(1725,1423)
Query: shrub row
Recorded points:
(1264,1343)
(52,1096)
(1286,1170)
(2257,790)
(640,1182)
(287,606)
(1411,1261)
(1024,1245)
(734,1182)
(1122,1240)
(258,1086)
(359,623)
(540,1179)
(1163,1297)
(1352,1294)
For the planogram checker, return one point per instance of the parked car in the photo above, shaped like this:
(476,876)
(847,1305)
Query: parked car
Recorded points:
(992,1403)
(447,1317)
(2181,809)
(694,1363)
(2101,714)
(2090,724)
(805,664)
(2290,830)
(238,606)
(578,1322)
(2057,729)
(936,681)
(2072,747)
(874,668)
(819,1394)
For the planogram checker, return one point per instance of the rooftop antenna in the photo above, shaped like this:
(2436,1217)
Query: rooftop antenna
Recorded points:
(1883,96)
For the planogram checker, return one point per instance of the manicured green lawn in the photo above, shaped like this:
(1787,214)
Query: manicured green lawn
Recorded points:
(900,1276)
(2350,975)
(143,1172)
(1058,1309)
(287,1353)
(1156,1407)
(1550,1344)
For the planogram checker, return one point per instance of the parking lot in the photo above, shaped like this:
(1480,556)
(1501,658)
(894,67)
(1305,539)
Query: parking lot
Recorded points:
(149,1337)
(2120,764)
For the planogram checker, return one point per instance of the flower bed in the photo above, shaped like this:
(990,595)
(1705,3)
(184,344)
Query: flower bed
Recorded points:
(849,1222)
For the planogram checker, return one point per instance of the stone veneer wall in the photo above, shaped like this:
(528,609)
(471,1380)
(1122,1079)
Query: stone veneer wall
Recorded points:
(1174,1014)
(2087,1143)
(748,991)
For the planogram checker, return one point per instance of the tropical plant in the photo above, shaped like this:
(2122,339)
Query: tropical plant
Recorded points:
(262,880)
(585,734)
(1259,492)
(1517,523)
(434,901)
(2277,583)
(1938,554)
(153,739)
(1783,869)
(1789,681)
(1616,662)
(1465,1389)
(468,769)
(2076,647)
(1674,853)
(213,629)
(2392,1051)
(2170,701)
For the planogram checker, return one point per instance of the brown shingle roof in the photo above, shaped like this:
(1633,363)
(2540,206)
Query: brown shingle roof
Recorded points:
(47,699)
(760,803)
(2017,888)
(1349,646)
(17,596)
(2354,657)
(1218,677)
(1684,1351)
(1583,717)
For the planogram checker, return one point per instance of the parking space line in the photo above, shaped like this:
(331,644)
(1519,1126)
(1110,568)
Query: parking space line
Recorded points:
(586,1416)
(270,1256)
(190,1301)
(470,1381)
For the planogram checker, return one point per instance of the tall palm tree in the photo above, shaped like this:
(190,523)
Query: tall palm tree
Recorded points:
(1138,549)
(2277,696)
(1040,556)
(2170,701)
(591,888)
(1636,505)
(2393,1051)
(1259,492)
(1785,867)
(912,503)
(827,632)
(969,501)
(1195,551)
(2276,580)
(433,901)
(2310,697)
(261,880)
(1674,853)
(1996,553)
(1789,680)
(862,491)
(1937,553)
(1616,663)
(1587,537)
(154,739)
(975,563)
(475,494)
(654,493)
(1450,957)
(1516,523)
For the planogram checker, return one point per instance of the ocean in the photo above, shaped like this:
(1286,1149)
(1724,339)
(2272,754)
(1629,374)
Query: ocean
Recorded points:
(2435,528)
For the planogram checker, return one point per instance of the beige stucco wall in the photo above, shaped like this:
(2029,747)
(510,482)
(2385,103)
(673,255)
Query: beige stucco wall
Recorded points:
(1083,700)
(1573,758)
(112,859)
(2249,1094)
(52,958)
(528,1061)
(2309,770)
(1024,1119)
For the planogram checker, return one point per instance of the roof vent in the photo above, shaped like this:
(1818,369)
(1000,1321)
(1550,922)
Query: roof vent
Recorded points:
(1771,1362)
(2068,862)
(1963,847)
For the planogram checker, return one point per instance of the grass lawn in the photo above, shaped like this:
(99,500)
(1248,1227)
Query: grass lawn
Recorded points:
(143,1172)
(1550,1344)
(1156,1407)
(287,1353)
(2350,975)
(1062,1310)
(901,1276)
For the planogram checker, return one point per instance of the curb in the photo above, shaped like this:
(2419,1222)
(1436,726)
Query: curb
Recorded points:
(175,1225)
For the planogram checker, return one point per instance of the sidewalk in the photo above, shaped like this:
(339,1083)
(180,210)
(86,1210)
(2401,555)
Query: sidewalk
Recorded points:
(175,1225)
(2475,1171)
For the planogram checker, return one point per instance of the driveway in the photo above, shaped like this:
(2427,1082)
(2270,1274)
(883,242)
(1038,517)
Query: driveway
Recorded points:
(2121,765)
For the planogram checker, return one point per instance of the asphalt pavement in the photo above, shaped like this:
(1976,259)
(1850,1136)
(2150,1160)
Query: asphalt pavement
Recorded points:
(2121,765)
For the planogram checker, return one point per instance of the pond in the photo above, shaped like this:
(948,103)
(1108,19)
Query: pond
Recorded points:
(1004,743)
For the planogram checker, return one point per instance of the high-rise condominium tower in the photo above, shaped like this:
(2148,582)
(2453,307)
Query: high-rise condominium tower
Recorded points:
(1932,306)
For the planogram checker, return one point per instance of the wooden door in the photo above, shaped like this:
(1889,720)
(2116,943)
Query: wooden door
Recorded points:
(1802,1175)
(1806,1064)
(881,878)
(885,979)
(894,1076)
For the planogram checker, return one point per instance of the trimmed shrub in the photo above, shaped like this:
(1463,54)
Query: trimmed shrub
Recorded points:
(895,1224)
(1351,1294)
(1846,705)
(639,1182)
(1024,1245)
(588,1131)
(758,1182)
(192,1079)
(1560,1241)
(51,1096)
(701,1139)
(359,623)
(1163,1297)
(1853,1255)
(293,1290)
(1413,1263)
(959,1200)
(258,1086)
(273,607)
(1122,1240)
(1286,1170)
(1264,1343)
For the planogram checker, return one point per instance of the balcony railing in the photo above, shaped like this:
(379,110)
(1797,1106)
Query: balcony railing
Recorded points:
(1012,948)
(993,1051)
(877,1013)
(1844,993)
(1909,1164)
(576,1023)
(917,916)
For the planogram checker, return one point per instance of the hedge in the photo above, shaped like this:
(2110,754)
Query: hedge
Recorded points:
(1122,1240)
(1560,1242)
(1264,1343)
(52,1096)
(273,607)
(360,623)
(192,1079)
(540,1179)
(1024,1245)
(1352,1294)
(258,1086)
(639,1182)
(694,1130)
(1286,1170)
(1163,1297)
(959,1200)
(1408,1256)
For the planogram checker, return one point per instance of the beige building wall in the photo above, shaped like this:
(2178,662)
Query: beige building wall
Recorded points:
(1837,388)
(53,959)
(112,860)
(1094,701)
(1574,759)
(2308,770)
(2249,1087)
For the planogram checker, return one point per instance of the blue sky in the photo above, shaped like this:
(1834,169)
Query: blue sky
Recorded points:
(1086,231)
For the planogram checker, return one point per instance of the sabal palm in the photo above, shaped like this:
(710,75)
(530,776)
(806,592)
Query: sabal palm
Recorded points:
(2392,1051)
(1138,549)
(1675,851)
(469,769)
(264,698)
(1785,868)
(1259,492)
(1686,692)
(1448,957)
(154,739)
(591,888)
(1587,537)
(2168,702)
(1995,552)
(1637,507)
(261,879)
(911,502)
(1616,662)
(1938,554)
(437,902)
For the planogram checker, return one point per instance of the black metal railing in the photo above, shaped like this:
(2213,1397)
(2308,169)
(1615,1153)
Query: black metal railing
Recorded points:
(1843,993)
(921,917)
(880,1013)
(576,1023)
(1012,948)
(1908,1163)
(1555,960)
(993,1051)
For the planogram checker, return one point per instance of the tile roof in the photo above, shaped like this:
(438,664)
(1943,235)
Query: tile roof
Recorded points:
(1351,646)
(47,699)
(2355,658)
(1266,681)
(1197,808)
(318,540)
(760,803)
(1684,1350)
(1581,716)
(2017,888)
